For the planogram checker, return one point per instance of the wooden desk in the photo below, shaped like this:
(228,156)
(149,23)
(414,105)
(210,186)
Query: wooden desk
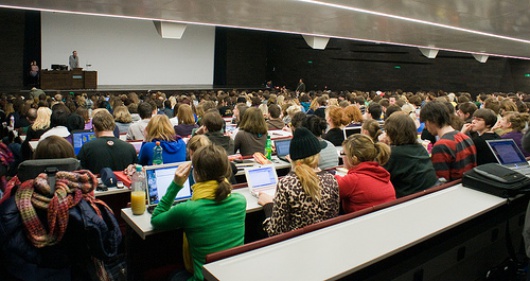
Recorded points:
(339,250)
(68,79)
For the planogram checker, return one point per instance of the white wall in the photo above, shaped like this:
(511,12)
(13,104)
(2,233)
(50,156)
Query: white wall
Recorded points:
(129,52)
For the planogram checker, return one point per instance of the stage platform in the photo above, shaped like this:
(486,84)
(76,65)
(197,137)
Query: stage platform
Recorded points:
(168,89)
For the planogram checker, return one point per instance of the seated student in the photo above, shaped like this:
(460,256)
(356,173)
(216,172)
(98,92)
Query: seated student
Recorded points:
(410,166)
(482,123)
(252,134)
(328,154)
(212,126)
(512,124)
(136,130)
(367,183)
(159,129)
(306,195)
(335,118)
(67,242)
(58,123)
(214,219)
(106,150)
(372,128)
(275,121)
(35,131)
(186,121)
(454,152)
(53,147)
(199,141)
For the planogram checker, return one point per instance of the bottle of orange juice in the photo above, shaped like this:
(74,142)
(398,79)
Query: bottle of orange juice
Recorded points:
(138,191)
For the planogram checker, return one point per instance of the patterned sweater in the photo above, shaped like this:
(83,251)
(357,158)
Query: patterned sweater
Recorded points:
(452,155)
(293,208)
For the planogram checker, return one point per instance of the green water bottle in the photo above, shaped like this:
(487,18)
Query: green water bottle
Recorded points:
(157,154)
(268,148)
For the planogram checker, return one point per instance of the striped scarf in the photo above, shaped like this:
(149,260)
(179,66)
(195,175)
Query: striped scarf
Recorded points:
(70,189)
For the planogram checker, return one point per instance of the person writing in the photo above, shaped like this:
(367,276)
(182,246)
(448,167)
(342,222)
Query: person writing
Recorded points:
(214,219)
(73,60)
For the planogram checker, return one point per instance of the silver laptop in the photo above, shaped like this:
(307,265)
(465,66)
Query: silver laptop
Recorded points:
(348,131)
(282,149)
(158,178)
(261,179)
(508,154)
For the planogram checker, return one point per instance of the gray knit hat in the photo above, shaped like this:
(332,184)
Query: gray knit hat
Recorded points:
(303,144)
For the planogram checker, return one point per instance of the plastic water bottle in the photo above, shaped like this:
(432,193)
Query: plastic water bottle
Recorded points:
(268,148)
(157,154)
(138,191)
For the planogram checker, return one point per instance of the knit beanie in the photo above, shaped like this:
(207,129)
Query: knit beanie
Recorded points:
(303,144)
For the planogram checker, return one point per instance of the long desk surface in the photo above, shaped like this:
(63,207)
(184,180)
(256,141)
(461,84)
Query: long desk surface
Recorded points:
(141,224)
(341,249)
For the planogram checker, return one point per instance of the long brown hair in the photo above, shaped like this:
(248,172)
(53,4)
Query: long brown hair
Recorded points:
(364,149)
(253,121)
(210,162)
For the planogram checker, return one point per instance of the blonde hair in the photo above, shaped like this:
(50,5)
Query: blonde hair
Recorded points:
(304,170)
(197,142)
(159,127)
(43,118)
(364,149)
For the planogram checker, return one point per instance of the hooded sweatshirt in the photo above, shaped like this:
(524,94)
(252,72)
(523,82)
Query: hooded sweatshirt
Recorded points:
(172,151)
(366,185)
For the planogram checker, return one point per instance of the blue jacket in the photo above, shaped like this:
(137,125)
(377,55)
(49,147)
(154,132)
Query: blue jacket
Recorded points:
(172,152)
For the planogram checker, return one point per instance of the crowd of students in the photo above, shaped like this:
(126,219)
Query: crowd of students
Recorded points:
(408,142)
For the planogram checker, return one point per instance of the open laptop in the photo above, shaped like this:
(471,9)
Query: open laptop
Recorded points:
(508,154)
(282,149)
(261,179)
(348,131)
(81,137)
(158,178)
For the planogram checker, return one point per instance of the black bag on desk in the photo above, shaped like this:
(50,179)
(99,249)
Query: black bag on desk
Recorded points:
(497,180)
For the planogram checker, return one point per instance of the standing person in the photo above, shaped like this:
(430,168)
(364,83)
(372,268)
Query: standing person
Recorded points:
(410,166)
(160,129)
(306,195)
(300,88)
(252,134)
(454,152)
(34,73)
(367,183)
(214,219)
(73,60)
(106,150)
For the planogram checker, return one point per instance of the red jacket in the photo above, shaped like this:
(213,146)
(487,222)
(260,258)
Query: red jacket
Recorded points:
(366,185)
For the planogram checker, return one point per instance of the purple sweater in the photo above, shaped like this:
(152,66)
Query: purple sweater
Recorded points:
(517,137)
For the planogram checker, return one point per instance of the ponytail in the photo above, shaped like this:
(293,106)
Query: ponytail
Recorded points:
(309,180)
(383,153)
(223,189)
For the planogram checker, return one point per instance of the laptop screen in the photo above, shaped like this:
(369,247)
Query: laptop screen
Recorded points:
(282,147)
(260,177)
(81,137)
(506,151)
(158,180)
(348,131)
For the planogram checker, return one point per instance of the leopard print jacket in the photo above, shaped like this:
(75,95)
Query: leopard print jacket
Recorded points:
(293,208)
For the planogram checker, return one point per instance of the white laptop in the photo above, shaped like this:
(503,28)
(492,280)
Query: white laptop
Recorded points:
(158,178)
(348,131)
(509,155)
(261,179)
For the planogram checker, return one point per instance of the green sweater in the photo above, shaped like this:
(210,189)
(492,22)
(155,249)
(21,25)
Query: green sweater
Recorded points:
(210,227)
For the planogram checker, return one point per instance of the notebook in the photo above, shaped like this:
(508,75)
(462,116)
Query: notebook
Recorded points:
(282,148)
(508,154)
(348,131)
(261,179)
(81,137)
(158,178)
